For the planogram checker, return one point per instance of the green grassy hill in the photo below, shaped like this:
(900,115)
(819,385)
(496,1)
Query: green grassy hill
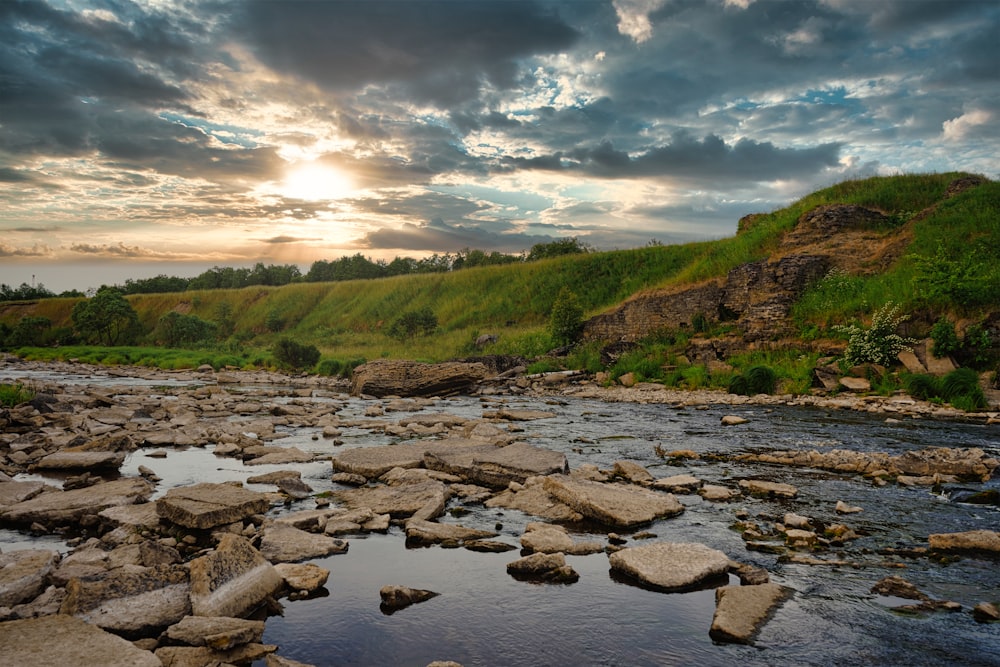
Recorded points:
(948,267)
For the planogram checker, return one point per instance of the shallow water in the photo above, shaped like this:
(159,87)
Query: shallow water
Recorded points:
(484,617)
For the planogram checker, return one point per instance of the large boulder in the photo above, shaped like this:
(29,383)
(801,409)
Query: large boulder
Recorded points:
(208,505)
(622,505)
(68,507)
(388,377)
(130,601)
(741,611)
(232,580)
(220,632)
(401,501)
(670,566)
(67,640)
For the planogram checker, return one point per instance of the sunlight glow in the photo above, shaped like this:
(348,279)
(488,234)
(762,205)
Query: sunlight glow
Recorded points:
(315,182)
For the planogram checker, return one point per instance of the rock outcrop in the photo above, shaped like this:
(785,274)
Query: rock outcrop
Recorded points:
(385,377)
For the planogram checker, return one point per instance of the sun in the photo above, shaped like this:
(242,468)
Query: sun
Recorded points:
(315,182)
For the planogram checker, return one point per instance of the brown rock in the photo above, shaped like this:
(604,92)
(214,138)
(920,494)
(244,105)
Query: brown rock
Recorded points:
(385,377)
(209,505)
(29,643)
(232,580)
(670,566)
(740,611)
(612,504)
(396,597)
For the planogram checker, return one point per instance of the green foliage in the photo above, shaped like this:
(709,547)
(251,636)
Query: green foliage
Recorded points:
(960,387)
(558,248)
(274,322)
(968,279)
(755,380)
(413,323)
(107,318)
(879,343)
(30,331)
(292,354)
(566,320)
(12,394)
(945,340)
(977,349)
(223,316)
(176,330)
(330,367)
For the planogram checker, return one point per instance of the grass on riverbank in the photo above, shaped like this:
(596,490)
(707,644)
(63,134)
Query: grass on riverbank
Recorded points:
(14,393)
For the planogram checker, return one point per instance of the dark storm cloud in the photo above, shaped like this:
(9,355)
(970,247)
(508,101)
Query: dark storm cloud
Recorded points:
(686,157)
(438,51)
(439,236)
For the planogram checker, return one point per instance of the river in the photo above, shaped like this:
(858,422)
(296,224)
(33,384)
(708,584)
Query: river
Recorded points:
(485,617)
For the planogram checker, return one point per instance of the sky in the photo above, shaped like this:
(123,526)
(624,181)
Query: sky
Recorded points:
(170,136)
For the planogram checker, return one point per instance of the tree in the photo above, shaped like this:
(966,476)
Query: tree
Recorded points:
(414,322)
(566,319)
(295,355)
(175,329)
(107,318)
(29,331)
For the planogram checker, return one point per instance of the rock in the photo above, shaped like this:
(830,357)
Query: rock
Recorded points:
(678,484)
(533,499)
(974,540)
(302,577)
(497,467)
(69,507)
(750,575)
(543,567)
(612,504)
(420,532)
(23,575)
(385,377)
(208,505)
(670,566)
(741,611)
(29,643)
(220,633)
(548,538)
(844,508)
(796,538)
(633,472)
(81,461)
(283,543)
(734,420)
(273,660)
(203,656)
(793,520)
(856,385)
(12,493)
(899,587)
(911,362)
(349,479)
(518,415)
(758,487)
(274,477)
(130,601)
(396,597)
(716,493)
(142,515)
(373,462)
(397,501)
(294,487)
(278,456)
(985,612)
(231,580)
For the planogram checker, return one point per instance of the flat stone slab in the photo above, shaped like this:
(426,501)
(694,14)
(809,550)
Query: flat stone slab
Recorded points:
(518,415)
(678,484)
(209,505)
(741,611)
(283,543)
(232,580)
(431,532)
(612,504)
(400,501)
(373,462)
(761,488)
(670,566)
(62,507)
(12,493)
(303,576)
(497,467)
(130,601)
(30,643)
(973,540)
(220,632)
(534,499)
(549,539)
(23,574)
(142,515)
(82,461)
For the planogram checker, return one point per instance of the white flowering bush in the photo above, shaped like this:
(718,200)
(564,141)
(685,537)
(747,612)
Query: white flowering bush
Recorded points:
(879,343)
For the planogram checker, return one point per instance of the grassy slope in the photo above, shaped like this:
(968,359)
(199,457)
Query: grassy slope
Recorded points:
(349,319)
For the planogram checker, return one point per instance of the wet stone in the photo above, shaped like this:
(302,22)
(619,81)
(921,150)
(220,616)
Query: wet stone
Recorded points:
(209,505)
(670,566)
(612,504)
(741,611)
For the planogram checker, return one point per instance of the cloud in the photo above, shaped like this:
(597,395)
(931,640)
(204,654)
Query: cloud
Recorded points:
(37,250)
(633,18)
(438,236)
(969,124)
(438,52)
(289,239)
(121,250)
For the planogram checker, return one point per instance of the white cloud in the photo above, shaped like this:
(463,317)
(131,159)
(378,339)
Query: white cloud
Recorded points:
(633,17)
(959,128)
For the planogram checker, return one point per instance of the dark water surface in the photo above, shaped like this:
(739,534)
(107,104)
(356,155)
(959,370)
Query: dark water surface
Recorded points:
(485,617)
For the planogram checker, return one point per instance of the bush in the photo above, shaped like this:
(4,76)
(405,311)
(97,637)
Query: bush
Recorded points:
(878,344)
(960,388)
(566,319)
(330,367)
(944,337)
(414,322)
(291,354)
(175,329)
(923,386)
(14,394)
(756,380)
(977,347)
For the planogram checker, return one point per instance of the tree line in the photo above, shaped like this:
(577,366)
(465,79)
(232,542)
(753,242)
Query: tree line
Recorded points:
(354,267)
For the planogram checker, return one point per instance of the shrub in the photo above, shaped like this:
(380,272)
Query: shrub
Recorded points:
(944,337)
(756,380)
(175,329)
(295,355)
(414,322)
(330,367)
(923,386)
(879,343)
(30,332)
(566,319)
(14,394)
(960,388)
(977,347)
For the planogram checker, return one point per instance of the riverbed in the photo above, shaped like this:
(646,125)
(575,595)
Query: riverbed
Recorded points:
(483,616)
